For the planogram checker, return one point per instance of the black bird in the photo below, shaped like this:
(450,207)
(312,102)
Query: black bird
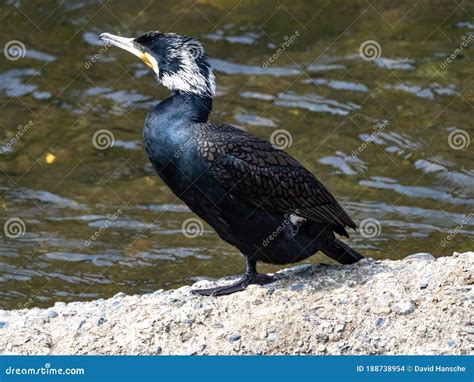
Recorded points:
(256,197)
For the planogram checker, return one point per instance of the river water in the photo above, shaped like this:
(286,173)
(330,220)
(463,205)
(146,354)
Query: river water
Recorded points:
(375,98)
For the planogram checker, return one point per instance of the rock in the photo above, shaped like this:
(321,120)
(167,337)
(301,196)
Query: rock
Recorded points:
(195,349)
(101,321)
(365,261)
(79,324)
(334,337)
(272,337)
(234,337)
(404,307)
(323,337)
(188,320)
(297,287)
(469,329)
(381,310)
(297,269)
(372,307)
(425,256)
(386,299)
(51,313)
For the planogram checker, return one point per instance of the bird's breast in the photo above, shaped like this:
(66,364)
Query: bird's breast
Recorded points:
(173,152)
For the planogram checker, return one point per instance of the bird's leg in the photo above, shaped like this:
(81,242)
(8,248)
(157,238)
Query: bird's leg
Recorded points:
(250,277)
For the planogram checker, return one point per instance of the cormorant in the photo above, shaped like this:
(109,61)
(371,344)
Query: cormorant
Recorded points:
(256,197)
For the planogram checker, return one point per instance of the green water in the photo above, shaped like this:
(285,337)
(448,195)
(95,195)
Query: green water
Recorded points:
(407,116)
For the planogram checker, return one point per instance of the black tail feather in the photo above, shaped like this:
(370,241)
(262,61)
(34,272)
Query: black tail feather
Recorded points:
(341,252)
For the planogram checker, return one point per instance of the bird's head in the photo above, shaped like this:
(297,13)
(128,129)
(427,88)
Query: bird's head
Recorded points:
(179,62)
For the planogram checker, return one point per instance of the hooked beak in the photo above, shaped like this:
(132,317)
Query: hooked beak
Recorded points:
(129,45)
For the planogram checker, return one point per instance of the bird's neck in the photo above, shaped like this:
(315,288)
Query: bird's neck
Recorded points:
(189,106)
(170,125)
(171,122)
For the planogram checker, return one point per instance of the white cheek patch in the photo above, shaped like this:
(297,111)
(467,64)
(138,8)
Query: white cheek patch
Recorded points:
(189,78)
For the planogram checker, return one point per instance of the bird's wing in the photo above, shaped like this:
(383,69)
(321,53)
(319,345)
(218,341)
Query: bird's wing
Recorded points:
(268,178)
